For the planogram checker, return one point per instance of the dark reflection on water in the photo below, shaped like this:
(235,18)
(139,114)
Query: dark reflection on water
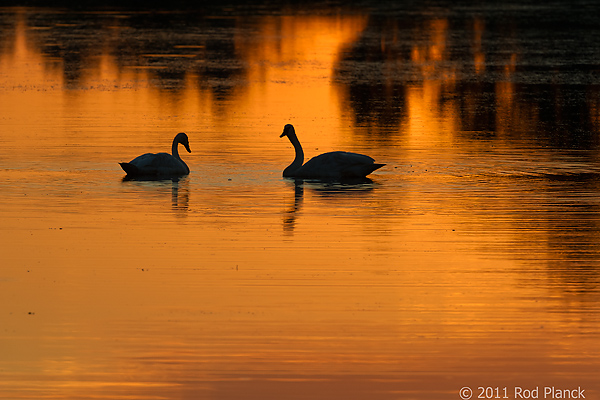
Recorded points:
(531,70)
(554,213)
(171,45)
(159,188)
(350,188)
(573,228)
(294,207)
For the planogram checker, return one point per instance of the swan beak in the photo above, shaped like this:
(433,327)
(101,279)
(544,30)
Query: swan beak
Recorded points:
(187,147)
(287,130)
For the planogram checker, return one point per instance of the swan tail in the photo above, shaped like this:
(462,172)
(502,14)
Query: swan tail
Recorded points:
(376,166)
(359,171)
(367,169)
(129,168)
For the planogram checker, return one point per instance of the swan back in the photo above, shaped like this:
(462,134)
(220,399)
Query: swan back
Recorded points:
(338,165)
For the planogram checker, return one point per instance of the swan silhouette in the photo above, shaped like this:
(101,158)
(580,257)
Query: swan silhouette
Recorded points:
(332,165)
(160,164)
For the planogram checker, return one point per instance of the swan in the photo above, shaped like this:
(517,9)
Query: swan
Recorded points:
(160,164)
(332,165)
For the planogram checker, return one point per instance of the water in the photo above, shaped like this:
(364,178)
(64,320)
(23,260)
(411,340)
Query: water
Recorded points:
(470,259)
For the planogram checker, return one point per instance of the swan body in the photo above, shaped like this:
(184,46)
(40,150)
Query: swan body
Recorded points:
(332,165)
(160,164)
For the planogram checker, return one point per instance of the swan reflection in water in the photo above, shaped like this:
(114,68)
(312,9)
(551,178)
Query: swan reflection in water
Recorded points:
(179,188)
(325,190)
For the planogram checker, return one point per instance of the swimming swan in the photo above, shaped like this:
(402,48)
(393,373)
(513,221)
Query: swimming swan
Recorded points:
(160,164)
(333,165)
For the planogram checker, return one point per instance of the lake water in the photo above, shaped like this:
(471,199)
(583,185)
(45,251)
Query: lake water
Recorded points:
(472,259)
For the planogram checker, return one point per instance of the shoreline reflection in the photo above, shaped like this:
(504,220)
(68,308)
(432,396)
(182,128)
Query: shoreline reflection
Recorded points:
(377,66)
(489,88)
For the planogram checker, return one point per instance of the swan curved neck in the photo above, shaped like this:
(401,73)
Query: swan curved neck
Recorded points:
(298,160)
(174,149)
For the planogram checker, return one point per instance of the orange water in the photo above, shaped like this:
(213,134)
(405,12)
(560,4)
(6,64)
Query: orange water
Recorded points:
(469,260)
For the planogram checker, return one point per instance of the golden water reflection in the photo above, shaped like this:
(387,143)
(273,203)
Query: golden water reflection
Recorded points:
(470,260)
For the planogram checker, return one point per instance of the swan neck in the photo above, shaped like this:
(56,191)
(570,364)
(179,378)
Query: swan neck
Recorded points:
(298,160)
(174,149)
(297,147)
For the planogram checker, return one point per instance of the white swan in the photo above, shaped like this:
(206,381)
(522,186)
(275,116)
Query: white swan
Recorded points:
(160,164)
(333,165)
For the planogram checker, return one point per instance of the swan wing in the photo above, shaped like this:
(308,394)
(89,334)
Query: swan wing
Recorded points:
(156,164)
(337,165)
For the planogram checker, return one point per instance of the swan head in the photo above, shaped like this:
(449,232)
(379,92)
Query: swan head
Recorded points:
(288,131)
(183,139)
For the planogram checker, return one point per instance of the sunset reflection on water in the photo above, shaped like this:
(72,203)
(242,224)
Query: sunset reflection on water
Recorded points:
(471,259)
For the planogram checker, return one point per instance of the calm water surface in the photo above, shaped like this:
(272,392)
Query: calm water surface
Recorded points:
(471,259)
